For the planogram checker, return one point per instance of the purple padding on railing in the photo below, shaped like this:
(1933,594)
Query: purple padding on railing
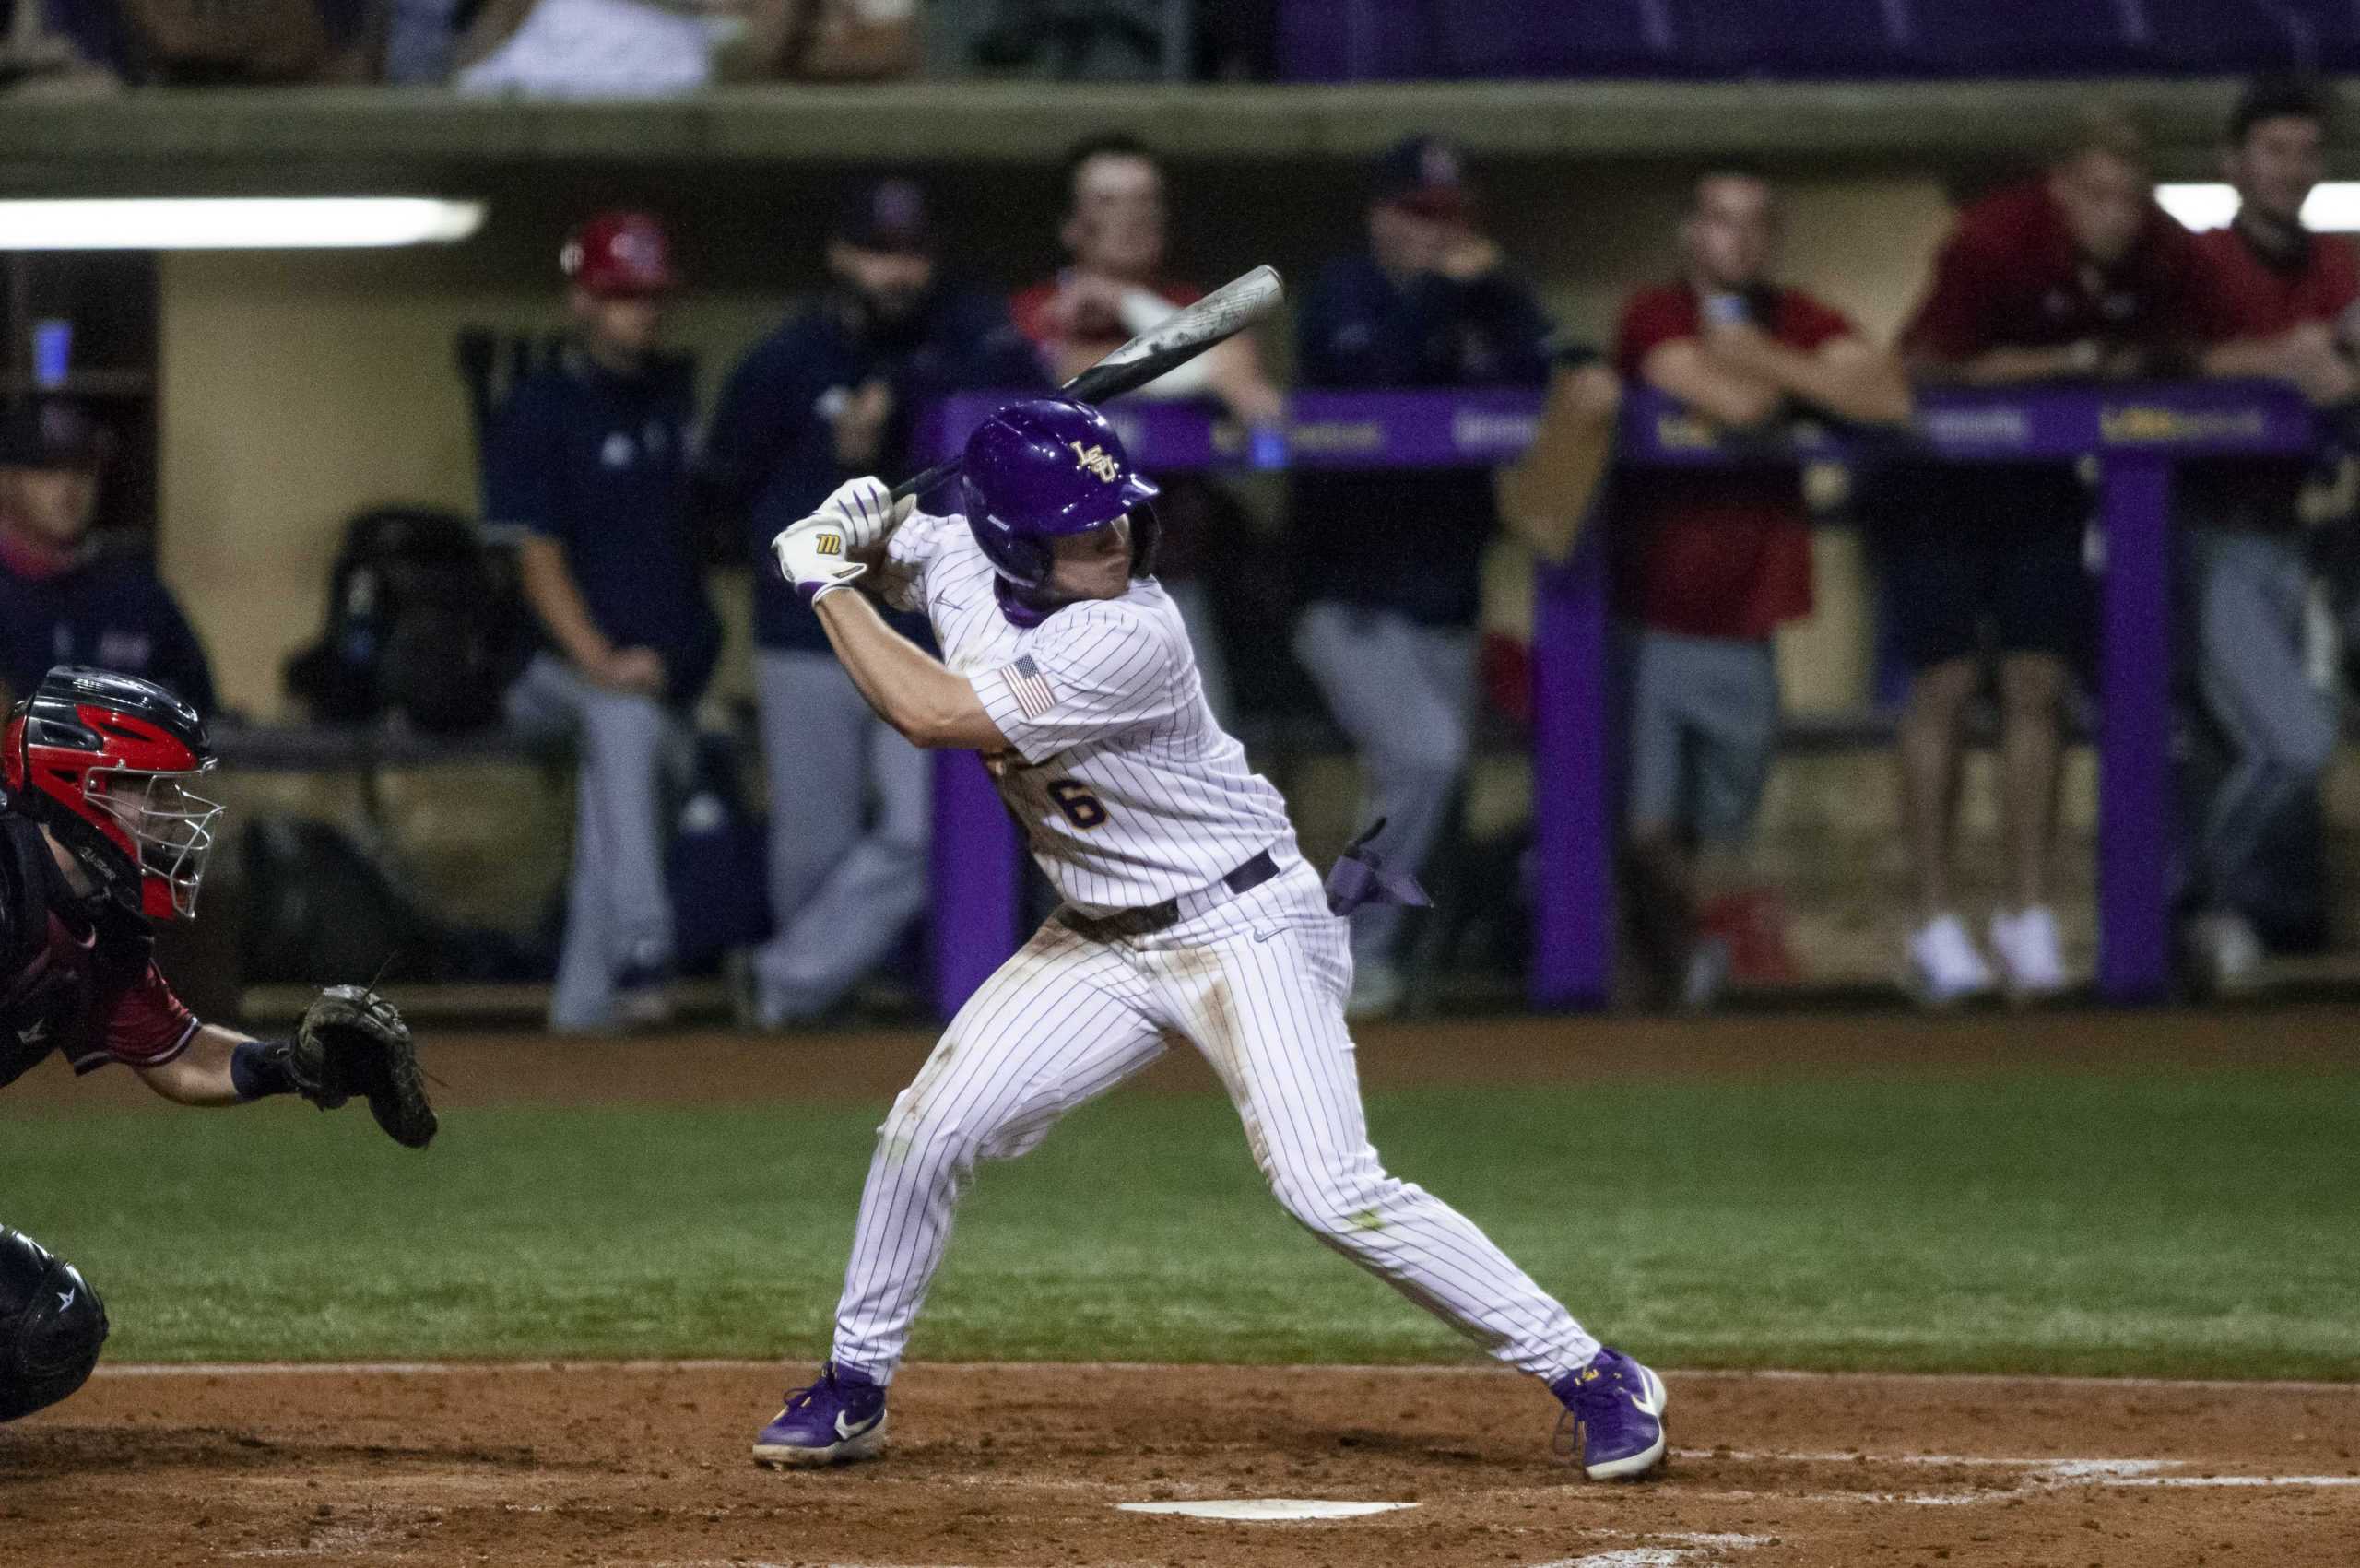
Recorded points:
(1574,752)
(975,879)
(2178,419)
(2135,809)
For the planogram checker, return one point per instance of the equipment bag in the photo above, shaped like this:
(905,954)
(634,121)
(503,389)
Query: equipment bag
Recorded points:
(424,622)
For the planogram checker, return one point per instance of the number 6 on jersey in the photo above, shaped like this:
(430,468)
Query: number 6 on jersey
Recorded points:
(1084,810)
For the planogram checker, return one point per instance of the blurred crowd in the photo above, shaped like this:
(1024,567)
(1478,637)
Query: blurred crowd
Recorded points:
(601,463)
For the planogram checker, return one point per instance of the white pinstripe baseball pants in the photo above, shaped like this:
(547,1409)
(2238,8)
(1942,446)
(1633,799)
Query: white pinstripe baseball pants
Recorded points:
(1259,985)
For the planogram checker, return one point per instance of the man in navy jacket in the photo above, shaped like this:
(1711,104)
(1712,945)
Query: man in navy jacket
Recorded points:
(1393,558)
(834,393)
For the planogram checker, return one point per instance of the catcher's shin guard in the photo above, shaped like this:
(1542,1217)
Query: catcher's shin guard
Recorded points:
(51,1325)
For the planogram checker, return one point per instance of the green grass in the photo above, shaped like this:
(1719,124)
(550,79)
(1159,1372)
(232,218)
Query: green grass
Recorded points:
(2197,1224)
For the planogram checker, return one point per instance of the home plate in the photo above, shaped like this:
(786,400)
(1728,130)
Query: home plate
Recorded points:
(1265,1508)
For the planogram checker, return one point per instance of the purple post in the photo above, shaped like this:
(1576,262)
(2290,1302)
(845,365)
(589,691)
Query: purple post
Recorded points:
(1572,959)
(974,878)
(2135,809)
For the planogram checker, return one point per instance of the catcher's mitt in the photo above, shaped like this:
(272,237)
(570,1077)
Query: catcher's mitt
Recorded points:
(352,1042)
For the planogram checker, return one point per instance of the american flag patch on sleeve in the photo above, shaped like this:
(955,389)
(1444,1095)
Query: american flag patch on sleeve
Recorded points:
(1033,692)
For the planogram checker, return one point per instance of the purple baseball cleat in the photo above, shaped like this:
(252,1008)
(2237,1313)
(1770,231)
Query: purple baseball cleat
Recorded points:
(837,1420)
(1618,1405)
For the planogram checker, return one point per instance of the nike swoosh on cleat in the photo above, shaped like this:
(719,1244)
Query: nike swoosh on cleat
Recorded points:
(848,1432)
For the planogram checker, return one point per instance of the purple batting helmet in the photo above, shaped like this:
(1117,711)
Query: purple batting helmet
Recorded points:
(1041,469)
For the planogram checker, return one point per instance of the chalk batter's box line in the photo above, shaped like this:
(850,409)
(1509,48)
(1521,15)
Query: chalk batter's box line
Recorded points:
(647,1364)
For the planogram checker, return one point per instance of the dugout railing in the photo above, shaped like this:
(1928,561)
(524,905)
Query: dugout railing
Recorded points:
(2135,435)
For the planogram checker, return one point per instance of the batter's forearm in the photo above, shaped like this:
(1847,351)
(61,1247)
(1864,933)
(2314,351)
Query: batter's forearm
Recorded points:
(902,684)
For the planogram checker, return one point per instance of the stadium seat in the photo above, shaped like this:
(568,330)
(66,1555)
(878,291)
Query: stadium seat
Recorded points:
(2024,38)
(1536,38)
(2194,36)
(1795,38)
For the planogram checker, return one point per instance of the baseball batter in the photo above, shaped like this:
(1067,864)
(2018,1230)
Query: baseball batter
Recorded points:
(1187,910)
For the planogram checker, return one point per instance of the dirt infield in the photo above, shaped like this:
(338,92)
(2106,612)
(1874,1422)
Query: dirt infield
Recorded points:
(647,1466)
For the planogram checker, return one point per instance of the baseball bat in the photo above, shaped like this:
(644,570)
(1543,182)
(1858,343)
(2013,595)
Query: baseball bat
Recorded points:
(1183,335)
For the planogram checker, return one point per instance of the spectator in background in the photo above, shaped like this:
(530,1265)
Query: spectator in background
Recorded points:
(2276,304)
(1390,561)
(1116,289)
(1710,562)
(833,393)
(66,598)
(2074,274)
(591,458)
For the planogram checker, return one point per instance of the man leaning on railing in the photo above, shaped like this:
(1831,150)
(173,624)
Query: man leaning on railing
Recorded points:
(1708,563)
(2279,300)
(2076,274)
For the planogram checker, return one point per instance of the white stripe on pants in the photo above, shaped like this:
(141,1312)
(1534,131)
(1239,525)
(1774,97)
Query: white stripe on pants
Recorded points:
(1406,695)
(618,912)
(843,888)
(1257,984)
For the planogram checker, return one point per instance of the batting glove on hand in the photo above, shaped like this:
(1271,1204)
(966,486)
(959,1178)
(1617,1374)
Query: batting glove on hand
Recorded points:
(811,556)
(865,509)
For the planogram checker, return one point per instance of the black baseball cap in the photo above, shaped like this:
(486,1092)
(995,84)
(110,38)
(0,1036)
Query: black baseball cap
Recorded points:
(1424,173)
(887,215)
(51,432)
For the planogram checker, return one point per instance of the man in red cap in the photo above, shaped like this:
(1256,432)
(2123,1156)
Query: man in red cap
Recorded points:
(590,461)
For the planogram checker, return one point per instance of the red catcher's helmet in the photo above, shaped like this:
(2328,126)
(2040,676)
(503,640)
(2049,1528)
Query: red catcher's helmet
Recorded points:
(104,762)
(619,254)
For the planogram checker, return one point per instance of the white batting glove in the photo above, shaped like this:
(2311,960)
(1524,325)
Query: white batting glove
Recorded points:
(866,510)
(811,555)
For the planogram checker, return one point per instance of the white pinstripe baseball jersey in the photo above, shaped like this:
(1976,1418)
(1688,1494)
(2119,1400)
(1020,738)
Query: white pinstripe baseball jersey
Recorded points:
(1129,789)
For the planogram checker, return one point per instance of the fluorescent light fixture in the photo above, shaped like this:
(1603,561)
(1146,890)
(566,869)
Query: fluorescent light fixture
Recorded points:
(234,223)
(2334,206)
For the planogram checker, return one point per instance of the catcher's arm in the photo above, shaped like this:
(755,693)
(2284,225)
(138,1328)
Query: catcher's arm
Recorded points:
(351,1041)
(202,1074)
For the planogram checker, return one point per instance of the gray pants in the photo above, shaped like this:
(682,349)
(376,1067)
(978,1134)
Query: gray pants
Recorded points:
(2248,592)
(1704,725)
(844,886)
(617,913)
(1406,695)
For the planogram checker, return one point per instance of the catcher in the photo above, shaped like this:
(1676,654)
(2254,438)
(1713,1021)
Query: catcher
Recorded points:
(100,834)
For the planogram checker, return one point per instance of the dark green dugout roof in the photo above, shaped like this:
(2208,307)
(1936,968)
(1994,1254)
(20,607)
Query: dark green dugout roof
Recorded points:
(170,139)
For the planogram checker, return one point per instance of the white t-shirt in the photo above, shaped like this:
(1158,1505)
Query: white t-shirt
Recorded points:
(1129,790)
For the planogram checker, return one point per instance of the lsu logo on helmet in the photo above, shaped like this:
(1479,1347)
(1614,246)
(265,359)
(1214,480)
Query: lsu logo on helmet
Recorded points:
(1098,461)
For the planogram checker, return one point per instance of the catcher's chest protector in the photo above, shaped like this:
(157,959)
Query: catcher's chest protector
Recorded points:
(57,966)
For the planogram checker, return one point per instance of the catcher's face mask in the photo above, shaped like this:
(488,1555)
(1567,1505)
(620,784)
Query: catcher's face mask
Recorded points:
(170,828)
